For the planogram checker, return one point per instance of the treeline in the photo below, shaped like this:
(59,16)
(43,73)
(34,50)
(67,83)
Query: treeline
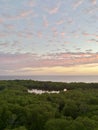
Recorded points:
(75,109)
(46,85)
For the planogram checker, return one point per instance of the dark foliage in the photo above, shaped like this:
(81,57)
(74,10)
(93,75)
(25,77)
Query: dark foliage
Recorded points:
(75,109)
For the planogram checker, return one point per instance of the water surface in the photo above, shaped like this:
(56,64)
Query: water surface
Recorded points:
(54,78)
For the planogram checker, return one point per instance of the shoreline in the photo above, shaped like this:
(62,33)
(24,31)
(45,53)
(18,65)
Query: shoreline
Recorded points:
(57,78)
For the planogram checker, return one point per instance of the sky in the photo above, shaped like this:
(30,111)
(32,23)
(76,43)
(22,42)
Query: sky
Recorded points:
(48,37)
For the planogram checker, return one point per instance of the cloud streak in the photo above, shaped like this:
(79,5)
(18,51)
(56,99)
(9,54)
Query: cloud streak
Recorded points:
(54,10)
(94,2)
(20,61)
(77,4)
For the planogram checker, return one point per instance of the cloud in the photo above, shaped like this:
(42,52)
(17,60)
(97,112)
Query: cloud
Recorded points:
(93,40)
(60,22)
(9,27)
(4,34)
(25,62)
(55,32)
(25,13)
(66,42)
(86,34)
(39,34)
(31,3)
(22,14)
(45,22)
(4,44)
(54,10)
(92,10)
(19,60)
(63,34)
(78,49)
(94,2)
(25,34)
(89,50)
(77,4)
(1,20)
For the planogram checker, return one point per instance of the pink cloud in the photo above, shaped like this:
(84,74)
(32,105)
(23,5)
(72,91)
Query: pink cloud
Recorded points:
(25,34)
(4,34)
(28,60)
(63,34)
(66,42)
(39,34)
(10,26)
(92,10)
(45,22)
(86,34)
(55,9)
(14,61)
(20,15)
(60,22)
(77,4)
(25,13)
(94,2)
(1,20)
(31,3)
(55,32)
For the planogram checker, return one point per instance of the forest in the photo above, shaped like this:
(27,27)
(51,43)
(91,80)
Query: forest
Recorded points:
(75,109)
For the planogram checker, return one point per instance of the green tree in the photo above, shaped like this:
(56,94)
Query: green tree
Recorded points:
(58,124)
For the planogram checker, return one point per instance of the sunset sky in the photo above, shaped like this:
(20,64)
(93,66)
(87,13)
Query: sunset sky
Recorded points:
(48,37)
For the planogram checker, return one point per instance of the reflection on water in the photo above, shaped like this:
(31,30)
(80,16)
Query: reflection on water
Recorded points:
(36,91)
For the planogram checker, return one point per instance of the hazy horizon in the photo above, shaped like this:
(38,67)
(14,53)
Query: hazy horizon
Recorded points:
(55,78)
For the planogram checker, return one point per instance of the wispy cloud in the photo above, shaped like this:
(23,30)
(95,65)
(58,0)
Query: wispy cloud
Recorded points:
(4,44)
(92,10)
(89,50)
(86,34)
(77,4)
(19,60)
(1,20)
(23,63)
(60,22)
(45,21)
(31,3)
(55,32)
(93,40)
(55,9)
(22,14)
(25,13)
(3,34)
(39,34)
(63,34)
(94,2)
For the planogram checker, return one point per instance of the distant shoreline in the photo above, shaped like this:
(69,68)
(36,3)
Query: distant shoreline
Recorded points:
(55,78)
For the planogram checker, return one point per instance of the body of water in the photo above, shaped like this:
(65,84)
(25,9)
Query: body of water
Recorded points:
(54,78)
(36,91)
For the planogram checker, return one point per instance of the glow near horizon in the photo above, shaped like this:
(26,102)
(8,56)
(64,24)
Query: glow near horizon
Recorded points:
(42,37)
